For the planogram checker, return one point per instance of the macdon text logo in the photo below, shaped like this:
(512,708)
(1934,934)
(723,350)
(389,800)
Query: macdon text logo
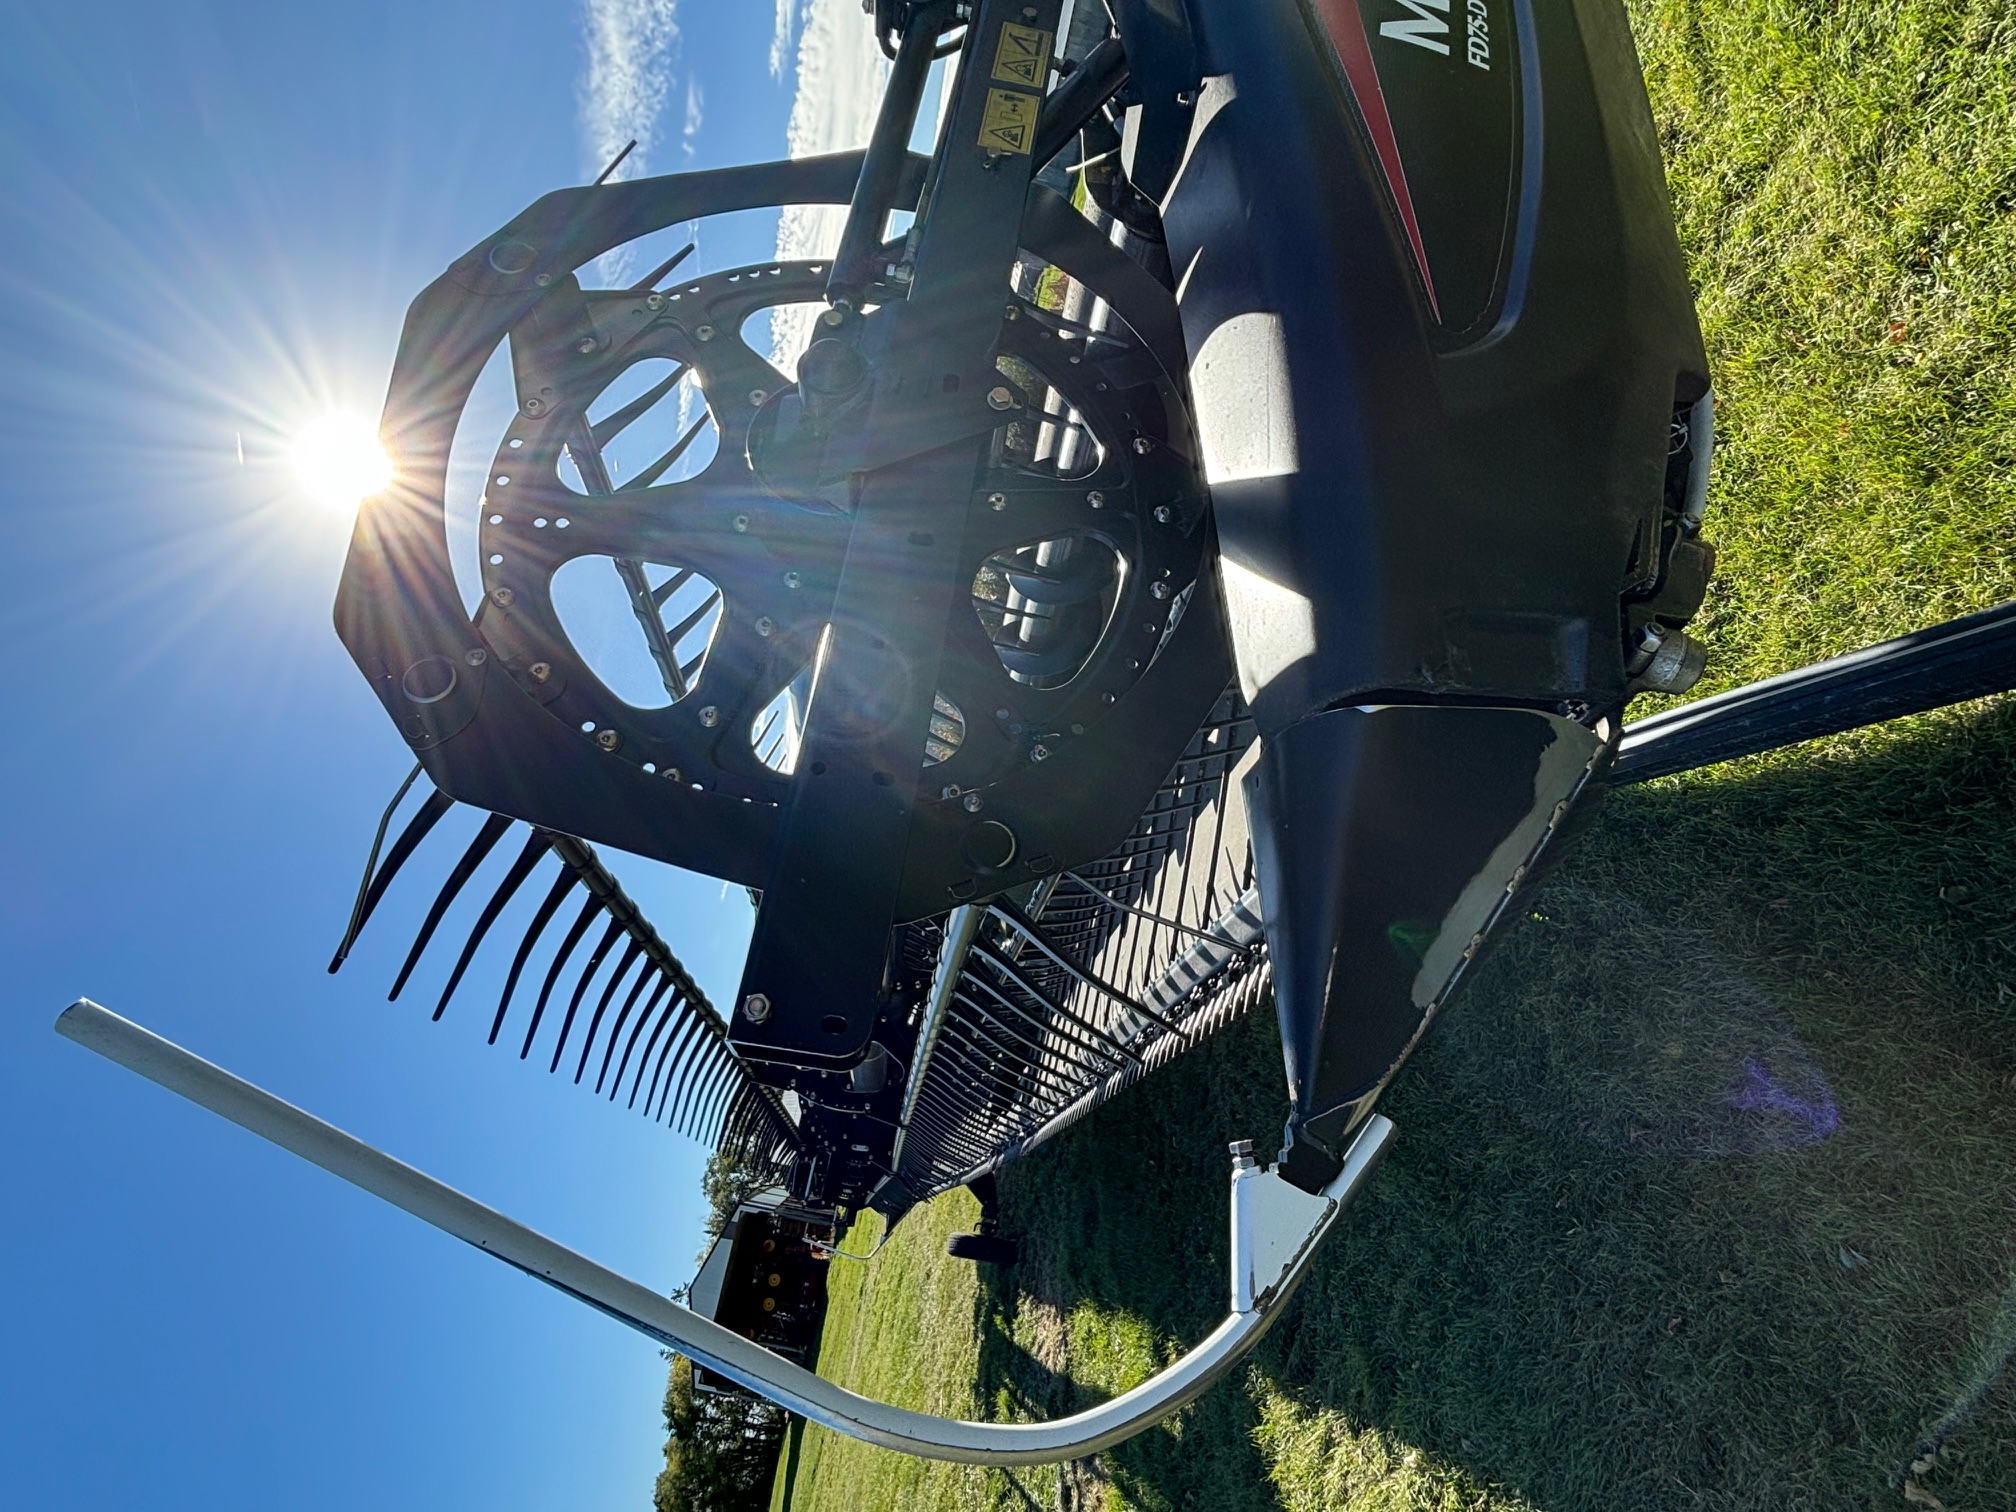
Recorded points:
(1427,25)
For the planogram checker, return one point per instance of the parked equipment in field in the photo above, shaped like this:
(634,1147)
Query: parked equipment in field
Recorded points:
(1301,392)
(764,1278)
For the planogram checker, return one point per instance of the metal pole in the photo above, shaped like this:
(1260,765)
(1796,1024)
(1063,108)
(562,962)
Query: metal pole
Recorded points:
(888,155)
(1970,657)
(1257,1231)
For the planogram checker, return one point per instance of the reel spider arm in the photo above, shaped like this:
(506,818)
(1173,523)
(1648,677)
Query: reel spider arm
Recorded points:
(1275,1232)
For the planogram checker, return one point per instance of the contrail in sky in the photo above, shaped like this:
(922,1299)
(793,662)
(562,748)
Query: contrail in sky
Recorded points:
(633,47)
(695,100)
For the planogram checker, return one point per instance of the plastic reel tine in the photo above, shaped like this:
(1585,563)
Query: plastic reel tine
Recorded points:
(486,840)
(616,1029)
(724,1099)
(720,1097)
(744,1115)
(548,906)
(670,1061)
(590,906)
(682,1025)
(734,1128)
(689,1118)
(657,1030)
(428,815)
(535,847)
(765,1118)
(606,430)
(705,1085)
(781,1127)
(581,987)
(773,1139)
(749,1111)
(730,1124)
(683,1055)
(624,962)
(762,1137)
(636,1034)
(615,162)
(356,920)
(699,1065)
(698,1068)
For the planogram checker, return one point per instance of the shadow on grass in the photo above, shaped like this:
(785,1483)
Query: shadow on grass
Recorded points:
(1702,1193)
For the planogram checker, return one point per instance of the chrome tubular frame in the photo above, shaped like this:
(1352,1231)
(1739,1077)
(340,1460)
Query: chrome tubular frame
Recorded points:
(1276,1230)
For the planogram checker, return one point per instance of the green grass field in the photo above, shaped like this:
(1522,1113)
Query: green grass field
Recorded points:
(1583,1280)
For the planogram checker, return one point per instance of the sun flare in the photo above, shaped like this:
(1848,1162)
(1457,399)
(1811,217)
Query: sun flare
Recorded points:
(339,461)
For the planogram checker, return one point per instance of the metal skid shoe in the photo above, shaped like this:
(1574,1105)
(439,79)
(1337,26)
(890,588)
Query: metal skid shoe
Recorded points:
(1399,410)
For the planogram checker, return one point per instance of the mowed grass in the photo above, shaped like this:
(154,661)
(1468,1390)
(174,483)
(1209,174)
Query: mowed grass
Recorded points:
(1705,1193)
(917,1343)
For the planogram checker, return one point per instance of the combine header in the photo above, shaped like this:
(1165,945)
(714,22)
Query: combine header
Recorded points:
(1203,551)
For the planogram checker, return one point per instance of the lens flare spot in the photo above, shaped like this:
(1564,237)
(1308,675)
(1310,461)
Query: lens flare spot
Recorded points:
(339,461)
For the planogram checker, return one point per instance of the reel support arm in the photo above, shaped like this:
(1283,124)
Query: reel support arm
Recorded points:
(875,193)
(1276,1230)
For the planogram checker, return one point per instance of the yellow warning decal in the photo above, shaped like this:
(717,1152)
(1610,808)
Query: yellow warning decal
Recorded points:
(1009,123)
(1022,56)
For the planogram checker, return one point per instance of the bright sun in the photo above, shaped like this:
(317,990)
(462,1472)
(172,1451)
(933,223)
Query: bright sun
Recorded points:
(339,461)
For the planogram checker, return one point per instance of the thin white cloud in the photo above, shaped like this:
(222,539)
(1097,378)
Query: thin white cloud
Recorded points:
(632,49)
(780,38)
(841,72)
(689,133)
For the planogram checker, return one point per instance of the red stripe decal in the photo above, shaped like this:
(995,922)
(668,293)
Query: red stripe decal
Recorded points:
(1354,51)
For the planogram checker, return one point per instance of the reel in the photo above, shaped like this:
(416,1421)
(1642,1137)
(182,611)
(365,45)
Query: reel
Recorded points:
(1080,546)
(930,627)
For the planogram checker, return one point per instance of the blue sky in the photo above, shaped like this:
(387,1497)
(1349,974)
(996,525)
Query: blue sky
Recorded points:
(211,219)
